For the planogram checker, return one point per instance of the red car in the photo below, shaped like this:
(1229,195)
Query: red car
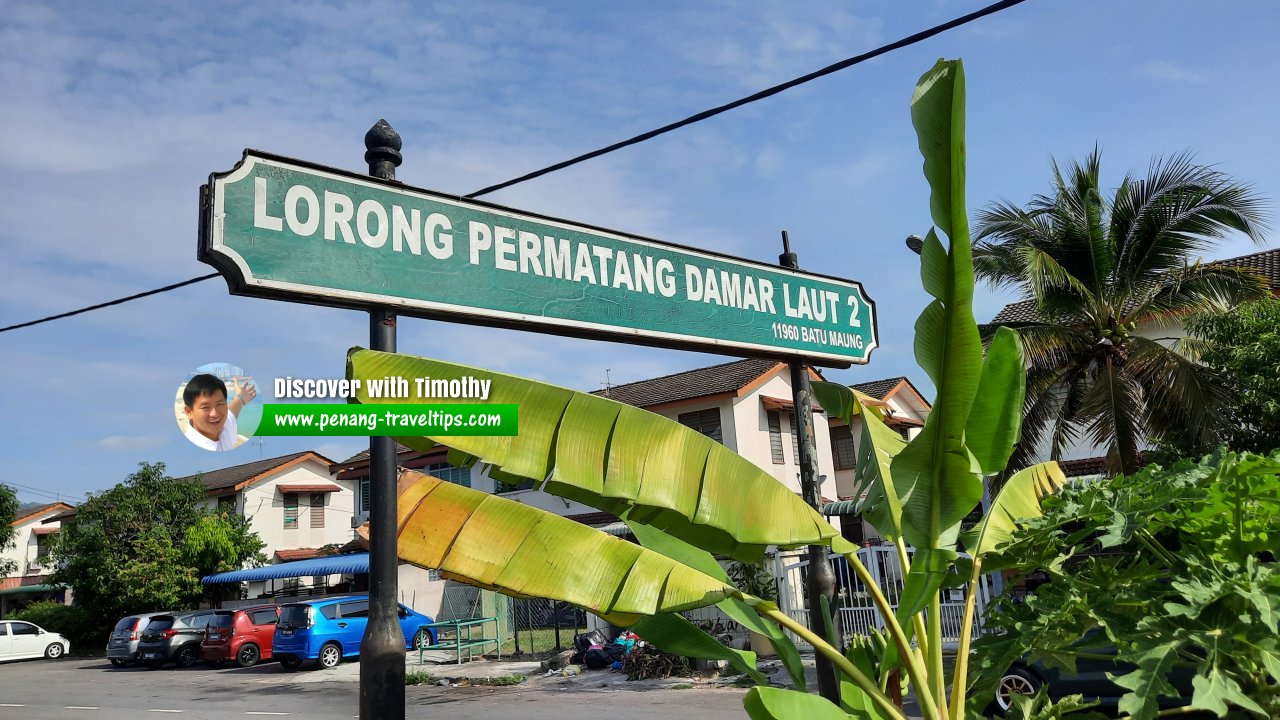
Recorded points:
(242,635)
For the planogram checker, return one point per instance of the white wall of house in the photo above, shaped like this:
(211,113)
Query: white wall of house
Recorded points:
(26,549)
(263,503)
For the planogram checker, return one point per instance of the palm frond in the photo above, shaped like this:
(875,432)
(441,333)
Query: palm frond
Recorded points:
(1184,398)
(1113,414)
(1198,289)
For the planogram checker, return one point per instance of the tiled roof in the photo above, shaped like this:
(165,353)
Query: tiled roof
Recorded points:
(31,512)
(714,380)
(363,455)
(878,389)
(1265,263)
(299,554)
(228,478)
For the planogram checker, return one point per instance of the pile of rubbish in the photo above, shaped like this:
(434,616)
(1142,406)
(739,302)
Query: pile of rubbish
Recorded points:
(597,652)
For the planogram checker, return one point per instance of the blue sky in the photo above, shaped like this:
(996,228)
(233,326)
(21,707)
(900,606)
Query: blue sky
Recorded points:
(114,115)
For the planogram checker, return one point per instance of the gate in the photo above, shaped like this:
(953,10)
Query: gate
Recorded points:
(853,611)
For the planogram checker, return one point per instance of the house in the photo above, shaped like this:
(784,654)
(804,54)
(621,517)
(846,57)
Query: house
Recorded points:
(292,503)
(1082,459)
(28,582)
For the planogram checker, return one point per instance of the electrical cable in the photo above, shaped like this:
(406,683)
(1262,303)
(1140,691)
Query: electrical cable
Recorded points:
(699,117)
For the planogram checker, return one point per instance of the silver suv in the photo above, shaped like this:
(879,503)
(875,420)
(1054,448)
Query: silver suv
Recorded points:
(175,637)
(122,646)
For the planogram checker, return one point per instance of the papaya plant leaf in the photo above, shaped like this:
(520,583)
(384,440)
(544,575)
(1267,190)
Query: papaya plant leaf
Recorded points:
(702,561)
(499,544)
(1147,682)
(995,421)
(619,458)
(674,634)
(767,703)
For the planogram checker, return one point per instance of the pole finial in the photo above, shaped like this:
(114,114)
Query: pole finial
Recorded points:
(382,150)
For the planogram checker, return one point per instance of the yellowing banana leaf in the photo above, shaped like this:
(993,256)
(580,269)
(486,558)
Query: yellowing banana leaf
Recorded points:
(518,550)
(619,458)
(1018,501)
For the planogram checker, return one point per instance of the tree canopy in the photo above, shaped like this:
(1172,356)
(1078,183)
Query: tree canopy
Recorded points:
(8,513)
(143,545)
(1095,269)
(1244,345)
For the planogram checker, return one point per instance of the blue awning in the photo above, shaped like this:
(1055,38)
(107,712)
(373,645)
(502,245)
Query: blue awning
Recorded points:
(354,564)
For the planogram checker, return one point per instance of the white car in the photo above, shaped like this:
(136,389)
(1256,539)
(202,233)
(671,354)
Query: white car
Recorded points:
(20,640)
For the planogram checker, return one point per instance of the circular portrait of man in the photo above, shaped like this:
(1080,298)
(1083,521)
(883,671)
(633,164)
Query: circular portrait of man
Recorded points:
(214,407)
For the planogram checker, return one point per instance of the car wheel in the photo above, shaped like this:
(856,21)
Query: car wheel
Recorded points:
(1015,681)
(289,662)
(117,662)
(330,656)
(421,640)
(187,656)
(248,655)
(54,651)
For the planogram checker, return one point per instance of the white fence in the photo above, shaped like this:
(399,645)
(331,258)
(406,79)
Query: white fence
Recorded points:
(853,611)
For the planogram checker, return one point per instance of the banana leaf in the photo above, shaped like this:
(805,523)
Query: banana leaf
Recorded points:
(512,548)
(676,635)
(995,421)
(936,475)
(766,703)
(873,477)
(1018,501)
(702,561)
(620,459)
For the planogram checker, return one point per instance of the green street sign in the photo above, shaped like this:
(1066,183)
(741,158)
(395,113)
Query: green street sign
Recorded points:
(286,229)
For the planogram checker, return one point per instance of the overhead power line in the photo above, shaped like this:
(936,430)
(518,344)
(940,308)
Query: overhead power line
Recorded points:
(699,117)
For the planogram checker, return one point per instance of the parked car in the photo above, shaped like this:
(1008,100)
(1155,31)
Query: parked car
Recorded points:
(173,638)
(20,640)
(122,645)
(1089,680)
(242,635)
(331,629)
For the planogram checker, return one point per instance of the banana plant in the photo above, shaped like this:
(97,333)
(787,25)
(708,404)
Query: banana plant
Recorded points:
(686,497)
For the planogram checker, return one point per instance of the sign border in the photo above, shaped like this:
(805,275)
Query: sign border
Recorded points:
(240,281)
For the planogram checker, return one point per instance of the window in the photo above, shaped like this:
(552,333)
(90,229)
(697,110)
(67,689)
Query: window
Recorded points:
(4,629)
(317,510)
(364,495)
(455,475)
(21,628)
(263,617)
(795,440)
(775,436)
(227,504)
(356,609)
(706,422)
(290,511)
(42,549)
(842,448)
(329,611)
(433,575)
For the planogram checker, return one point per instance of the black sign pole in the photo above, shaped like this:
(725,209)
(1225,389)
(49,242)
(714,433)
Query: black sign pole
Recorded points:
(821,580)
(382,653)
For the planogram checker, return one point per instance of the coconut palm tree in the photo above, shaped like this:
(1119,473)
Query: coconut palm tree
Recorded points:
(1093,271)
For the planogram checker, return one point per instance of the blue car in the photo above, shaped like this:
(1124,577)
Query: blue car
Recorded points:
(331,629)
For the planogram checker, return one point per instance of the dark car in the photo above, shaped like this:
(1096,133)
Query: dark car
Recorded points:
(173,638)
(122,645)
(242,635)
(1089,680)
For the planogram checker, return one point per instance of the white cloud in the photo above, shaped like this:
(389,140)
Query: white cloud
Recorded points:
(1171,72)
(131,442)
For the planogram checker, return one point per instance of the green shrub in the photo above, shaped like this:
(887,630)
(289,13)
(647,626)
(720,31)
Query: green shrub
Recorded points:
(85,631)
